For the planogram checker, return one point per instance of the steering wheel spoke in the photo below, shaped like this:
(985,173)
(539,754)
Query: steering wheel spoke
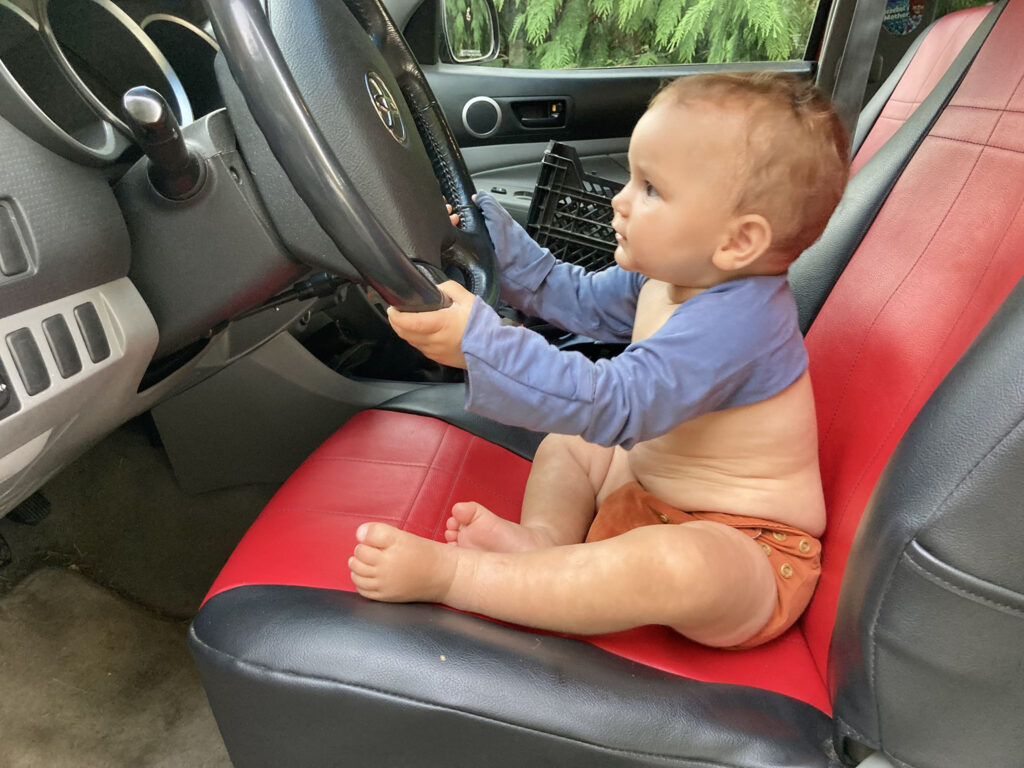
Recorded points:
(351,120)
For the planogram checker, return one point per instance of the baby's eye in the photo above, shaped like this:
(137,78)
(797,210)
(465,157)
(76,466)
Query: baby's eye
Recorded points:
(649,189)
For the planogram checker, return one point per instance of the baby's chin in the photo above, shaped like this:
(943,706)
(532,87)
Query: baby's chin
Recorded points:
(623,260)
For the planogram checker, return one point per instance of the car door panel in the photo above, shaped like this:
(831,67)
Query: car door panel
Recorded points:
(601,108)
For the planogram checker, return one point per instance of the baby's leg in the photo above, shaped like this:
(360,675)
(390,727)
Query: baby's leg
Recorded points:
(705,580)
(569,477)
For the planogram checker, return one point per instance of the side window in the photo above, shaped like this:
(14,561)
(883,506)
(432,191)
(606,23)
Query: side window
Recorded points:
(562,34)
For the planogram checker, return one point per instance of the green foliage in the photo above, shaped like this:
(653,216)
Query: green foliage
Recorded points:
(468,26)
(558,34)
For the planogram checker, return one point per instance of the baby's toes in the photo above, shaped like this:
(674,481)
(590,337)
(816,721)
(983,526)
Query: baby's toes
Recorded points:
(378,535)
(360,567)
(367,586)
(366,554)
(463,514)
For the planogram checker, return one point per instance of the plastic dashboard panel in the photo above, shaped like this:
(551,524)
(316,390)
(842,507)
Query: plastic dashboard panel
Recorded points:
(69,220)
(71,250)
(51,427)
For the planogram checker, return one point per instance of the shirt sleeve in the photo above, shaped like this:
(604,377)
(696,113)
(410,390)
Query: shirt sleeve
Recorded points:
(600,305)
(717,356)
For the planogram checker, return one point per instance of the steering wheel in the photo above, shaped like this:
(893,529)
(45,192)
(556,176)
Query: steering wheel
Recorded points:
(378,161)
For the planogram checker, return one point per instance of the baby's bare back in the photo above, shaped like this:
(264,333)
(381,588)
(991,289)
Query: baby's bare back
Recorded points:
(759,460)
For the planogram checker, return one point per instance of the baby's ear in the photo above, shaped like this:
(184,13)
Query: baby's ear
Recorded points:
(747,239)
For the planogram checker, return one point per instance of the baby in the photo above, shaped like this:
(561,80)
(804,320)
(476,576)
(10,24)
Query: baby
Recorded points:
(680,484)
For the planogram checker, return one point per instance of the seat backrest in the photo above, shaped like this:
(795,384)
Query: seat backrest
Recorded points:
(912,80)
(943,254)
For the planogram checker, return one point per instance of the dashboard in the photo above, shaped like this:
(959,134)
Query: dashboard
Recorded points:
(112,298)
(66,64)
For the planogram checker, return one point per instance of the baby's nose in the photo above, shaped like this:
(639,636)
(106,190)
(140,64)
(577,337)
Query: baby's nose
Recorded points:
(619,202)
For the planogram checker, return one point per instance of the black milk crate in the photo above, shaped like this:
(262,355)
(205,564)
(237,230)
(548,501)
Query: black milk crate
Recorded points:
(571,212)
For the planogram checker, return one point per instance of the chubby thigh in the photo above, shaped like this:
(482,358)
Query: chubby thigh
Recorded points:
(717,586)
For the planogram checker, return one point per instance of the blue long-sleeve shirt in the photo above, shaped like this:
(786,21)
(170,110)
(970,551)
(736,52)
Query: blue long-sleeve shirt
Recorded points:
(733,344)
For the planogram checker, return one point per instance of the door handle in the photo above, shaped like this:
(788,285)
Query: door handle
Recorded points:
(540,113)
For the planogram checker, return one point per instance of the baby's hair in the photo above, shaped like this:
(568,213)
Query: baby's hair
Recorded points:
(796,161)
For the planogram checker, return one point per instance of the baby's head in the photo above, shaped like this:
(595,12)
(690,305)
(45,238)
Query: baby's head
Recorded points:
(730,175)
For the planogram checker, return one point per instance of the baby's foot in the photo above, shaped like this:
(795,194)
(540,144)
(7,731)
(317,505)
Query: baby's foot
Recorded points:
(399,567)
(473,526)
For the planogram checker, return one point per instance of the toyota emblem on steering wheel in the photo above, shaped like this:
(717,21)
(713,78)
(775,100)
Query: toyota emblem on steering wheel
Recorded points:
(387,109)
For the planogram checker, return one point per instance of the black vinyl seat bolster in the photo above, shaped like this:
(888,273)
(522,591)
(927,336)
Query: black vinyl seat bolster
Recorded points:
(927,659)
(463,691)
(869,114)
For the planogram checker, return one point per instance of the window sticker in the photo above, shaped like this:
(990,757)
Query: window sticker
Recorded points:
(903,16)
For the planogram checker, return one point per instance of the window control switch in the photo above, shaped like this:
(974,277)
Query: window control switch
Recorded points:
(8,399)
(95,337)
(62,345)
(28,360)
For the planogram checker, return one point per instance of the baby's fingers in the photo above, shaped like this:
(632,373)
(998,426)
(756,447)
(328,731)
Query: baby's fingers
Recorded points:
(453,217)
(415,323)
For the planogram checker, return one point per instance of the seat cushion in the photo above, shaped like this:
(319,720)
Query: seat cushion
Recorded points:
(408,470)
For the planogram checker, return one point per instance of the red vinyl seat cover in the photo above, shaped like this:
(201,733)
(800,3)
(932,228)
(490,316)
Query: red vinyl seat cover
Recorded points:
(931,60)
(943,253)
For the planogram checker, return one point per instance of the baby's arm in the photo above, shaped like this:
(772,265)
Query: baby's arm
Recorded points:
(600,305)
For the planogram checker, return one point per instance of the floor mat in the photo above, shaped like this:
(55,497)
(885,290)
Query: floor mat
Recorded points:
(88,679)
(120,516)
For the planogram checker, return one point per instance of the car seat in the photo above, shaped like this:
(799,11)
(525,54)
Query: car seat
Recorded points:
(913,646)
(911,80)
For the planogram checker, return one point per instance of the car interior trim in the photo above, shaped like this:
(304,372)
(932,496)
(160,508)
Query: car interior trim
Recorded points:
(181,103)
(38,189)
(55,422)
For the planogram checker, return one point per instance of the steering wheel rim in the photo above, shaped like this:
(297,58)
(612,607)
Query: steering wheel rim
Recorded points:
(307,158)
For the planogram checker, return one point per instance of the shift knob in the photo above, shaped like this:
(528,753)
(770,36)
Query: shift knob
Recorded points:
(174,171)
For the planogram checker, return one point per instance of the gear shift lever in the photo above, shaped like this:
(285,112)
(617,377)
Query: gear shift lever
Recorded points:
(174,171)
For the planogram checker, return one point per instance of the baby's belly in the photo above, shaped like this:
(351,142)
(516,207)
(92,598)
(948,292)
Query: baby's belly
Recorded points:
(703,483)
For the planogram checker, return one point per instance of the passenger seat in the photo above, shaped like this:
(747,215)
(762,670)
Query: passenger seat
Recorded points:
(912,80)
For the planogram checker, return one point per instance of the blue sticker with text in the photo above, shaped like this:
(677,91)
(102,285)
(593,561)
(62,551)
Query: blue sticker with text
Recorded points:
(903,16)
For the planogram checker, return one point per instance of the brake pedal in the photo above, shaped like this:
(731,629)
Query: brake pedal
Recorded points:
(32,511)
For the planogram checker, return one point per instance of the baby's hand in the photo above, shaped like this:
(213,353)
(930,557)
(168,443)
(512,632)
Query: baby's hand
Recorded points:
(437,334)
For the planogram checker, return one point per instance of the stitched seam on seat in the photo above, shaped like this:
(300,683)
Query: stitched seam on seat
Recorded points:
(500,494)
(988,145)
(447,707)
(814,664)
(421,465)
(962,591)
(952,327)
(451,489)
(979,108)
(915,101)
(318,511)
(426,476)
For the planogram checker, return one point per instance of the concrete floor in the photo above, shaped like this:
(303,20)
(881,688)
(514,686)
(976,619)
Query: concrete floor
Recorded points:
(91,680)
(94,608)
(120,517)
